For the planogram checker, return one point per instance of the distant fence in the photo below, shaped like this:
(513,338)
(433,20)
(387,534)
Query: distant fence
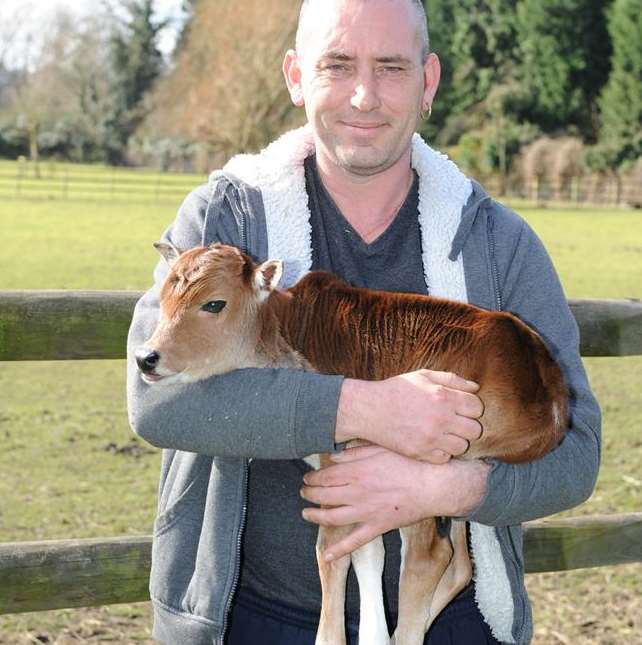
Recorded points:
(593,190)
(49,180)
(62,325)
(70,182)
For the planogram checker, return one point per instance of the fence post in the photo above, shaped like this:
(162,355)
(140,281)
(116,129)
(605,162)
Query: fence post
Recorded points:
(20,171)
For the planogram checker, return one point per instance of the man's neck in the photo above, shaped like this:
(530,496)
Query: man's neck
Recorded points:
(369,203)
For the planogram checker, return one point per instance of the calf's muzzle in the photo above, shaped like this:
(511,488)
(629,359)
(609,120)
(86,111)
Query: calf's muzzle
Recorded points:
(147,360)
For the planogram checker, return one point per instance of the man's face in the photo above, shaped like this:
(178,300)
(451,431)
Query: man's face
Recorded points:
(360,76)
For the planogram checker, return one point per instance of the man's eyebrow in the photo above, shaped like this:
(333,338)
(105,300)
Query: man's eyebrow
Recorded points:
(343,57)
(397,58)
(337,55)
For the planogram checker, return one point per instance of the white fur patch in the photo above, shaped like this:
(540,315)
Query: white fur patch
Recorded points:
(313,460)
(368,566)
(492,586)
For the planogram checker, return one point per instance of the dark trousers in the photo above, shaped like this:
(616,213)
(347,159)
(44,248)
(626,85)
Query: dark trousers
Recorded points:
(257,621)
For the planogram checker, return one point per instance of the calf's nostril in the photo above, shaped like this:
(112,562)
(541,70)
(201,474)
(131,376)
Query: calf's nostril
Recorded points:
(146,360)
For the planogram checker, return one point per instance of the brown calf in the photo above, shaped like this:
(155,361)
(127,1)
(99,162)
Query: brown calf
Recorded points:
(220,311)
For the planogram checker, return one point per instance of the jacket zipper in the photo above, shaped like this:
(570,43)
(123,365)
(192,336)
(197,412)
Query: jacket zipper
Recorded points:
(493,264)
(239,538)
(237,561)
(242,226)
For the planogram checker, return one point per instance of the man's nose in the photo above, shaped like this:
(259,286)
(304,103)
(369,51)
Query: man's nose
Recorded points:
(365,96)
(147,359)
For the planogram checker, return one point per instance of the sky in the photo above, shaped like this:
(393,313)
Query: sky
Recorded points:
(41,11)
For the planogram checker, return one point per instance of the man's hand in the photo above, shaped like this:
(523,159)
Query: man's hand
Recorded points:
(425,414)
(379,490)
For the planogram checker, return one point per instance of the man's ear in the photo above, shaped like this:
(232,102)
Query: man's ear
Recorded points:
(168,251)
(266,277)
(292,73)
(432,74)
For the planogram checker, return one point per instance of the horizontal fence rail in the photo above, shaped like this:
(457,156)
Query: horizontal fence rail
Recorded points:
(37,576)
(63,325)
(64,181)
(69,183)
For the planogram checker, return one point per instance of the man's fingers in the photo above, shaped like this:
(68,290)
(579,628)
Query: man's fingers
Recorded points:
(438,457)
(469,429)
(328,476)
(361,535)
(353,454)
(453,444)
(467,404)
(338,516)
(328,496)
(451,380)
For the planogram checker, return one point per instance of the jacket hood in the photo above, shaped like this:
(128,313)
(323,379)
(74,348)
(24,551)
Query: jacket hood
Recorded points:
(478,199)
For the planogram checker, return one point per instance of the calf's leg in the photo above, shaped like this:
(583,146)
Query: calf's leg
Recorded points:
(333,577)
(456,576)
(425,556)
(368,565)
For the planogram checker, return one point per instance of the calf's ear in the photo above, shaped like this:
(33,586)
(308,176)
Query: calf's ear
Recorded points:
(168,251)
(266,277)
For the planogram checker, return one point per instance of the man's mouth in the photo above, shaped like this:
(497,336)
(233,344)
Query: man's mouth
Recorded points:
(363,126)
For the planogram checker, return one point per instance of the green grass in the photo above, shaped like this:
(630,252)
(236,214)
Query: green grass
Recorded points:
(597,252)
(71,467)
(70,245)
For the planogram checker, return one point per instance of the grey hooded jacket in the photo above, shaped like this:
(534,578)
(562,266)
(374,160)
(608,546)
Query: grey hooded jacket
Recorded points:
(211,428)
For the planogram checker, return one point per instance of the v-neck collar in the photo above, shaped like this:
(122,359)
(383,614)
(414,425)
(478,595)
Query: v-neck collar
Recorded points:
(383,239)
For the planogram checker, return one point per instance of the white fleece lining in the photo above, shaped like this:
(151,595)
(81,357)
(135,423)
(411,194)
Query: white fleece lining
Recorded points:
(443,192)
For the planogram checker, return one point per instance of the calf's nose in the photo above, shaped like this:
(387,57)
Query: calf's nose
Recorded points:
(147,360)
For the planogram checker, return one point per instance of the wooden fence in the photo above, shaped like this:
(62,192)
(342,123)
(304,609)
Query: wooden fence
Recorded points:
(64,181)
(75,182)
(57,325)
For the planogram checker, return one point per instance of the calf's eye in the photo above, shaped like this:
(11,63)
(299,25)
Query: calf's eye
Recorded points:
(214,306)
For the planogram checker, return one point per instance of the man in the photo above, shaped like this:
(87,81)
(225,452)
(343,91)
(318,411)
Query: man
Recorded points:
(355,193)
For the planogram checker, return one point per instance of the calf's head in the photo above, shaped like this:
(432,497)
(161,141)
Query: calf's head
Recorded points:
(209,307)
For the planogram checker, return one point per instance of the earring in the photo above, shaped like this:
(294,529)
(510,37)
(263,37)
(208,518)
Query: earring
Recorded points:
(423,114)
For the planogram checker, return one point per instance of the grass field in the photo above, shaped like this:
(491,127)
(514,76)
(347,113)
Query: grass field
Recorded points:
(70,466)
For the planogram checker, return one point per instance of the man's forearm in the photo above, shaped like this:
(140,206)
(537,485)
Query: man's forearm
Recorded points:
(469,481)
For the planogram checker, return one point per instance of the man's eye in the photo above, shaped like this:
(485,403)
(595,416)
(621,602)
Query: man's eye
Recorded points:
(214,306)
(336,68)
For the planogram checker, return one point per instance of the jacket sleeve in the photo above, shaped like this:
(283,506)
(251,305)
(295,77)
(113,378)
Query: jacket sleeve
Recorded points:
(263,413)
(566,476)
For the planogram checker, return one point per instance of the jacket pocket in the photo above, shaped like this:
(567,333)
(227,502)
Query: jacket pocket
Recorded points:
(177,532)
(182,507)
(182,491)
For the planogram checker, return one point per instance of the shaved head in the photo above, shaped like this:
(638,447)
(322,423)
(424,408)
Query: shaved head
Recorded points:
(417,6)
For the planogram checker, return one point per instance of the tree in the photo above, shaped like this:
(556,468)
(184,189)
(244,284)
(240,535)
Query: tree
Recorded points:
(136,63)
(226,90)
(565,51)
(59,103)
(187,10)
(621,100)
(42,96)
(483,49)
(477,44)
